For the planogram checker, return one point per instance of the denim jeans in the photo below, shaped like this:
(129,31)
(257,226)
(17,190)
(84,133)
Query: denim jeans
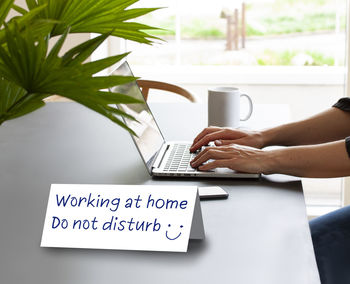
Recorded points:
(331,239)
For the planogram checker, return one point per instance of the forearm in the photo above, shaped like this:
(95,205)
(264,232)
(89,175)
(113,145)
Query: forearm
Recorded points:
(316,161)
(331,125)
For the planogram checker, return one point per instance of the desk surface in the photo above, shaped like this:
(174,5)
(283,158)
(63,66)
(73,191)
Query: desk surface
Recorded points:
(259,235)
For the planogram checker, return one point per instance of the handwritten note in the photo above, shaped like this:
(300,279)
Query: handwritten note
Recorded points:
(128,217)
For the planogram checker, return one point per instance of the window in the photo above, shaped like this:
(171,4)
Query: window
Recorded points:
(278,32)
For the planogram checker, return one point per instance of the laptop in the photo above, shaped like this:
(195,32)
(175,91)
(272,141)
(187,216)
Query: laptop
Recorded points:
(161,158)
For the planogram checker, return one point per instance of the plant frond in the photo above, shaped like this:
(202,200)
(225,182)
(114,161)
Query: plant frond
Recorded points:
(30,73)
(5,7)
(82,51)
(43,26)
(19,9)
(93,16)
(99,65)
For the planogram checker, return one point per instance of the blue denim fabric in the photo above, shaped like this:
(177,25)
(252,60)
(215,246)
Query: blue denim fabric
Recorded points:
(331,239)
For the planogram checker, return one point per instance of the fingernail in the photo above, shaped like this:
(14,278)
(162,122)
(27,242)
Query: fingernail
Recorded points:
(218,142)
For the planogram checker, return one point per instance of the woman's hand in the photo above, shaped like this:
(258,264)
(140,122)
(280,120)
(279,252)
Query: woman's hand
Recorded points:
(235,157)
(324,160)
(225,136)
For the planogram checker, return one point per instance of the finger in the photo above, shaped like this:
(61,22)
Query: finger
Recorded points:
(203,152)
(211,155)
(228,148)
(204,132)
(240,141)
(218,148)
(223,142)
(223,133)
(224,163)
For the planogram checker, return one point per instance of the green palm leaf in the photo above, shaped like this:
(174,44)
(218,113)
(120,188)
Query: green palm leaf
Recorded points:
(30,71)
(30,74)
(39,27)
(5,6)
(102,16)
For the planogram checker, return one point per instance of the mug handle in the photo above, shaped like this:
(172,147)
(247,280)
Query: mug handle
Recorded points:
(250,107)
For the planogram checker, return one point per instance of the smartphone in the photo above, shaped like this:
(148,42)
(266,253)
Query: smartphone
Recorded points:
(212,192)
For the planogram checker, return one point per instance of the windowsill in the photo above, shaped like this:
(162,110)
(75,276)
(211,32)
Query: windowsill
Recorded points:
(316,211)
(252,75)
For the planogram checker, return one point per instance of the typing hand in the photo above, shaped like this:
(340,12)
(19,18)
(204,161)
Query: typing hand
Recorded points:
(235,157)
(226,136)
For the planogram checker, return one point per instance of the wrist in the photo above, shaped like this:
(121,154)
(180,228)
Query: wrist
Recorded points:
(272,162)
(267,137)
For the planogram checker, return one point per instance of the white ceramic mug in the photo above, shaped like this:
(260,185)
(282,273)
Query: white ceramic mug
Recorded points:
(224,107)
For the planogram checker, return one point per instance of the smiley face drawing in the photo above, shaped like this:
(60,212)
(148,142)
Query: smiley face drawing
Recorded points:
(172,239)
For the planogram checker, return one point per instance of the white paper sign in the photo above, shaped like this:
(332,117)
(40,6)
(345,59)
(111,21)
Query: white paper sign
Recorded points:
(126,217)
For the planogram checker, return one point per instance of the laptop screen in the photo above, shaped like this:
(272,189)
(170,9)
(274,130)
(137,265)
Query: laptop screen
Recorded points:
(149,139)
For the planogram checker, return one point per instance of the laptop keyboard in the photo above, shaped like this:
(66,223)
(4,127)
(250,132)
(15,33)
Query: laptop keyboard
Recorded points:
(179,159)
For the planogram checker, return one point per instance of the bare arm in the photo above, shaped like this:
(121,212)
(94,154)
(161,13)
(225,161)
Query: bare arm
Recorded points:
(330,125)
(323,160)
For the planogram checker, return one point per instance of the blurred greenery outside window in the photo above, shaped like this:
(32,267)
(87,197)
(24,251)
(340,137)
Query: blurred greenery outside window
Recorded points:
(279,32)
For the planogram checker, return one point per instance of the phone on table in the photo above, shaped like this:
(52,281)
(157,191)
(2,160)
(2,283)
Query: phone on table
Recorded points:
(212,192)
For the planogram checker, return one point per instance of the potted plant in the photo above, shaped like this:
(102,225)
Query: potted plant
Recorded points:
(30,71)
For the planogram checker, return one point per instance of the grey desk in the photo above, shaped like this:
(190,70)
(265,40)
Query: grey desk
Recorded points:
(259,235)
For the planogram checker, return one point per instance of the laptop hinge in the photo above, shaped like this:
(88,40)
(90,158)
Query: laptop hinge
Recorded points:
(160,156)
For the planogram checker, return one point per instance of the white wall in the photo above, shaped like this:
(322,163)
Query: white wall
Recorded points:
(307,90)
(304,100)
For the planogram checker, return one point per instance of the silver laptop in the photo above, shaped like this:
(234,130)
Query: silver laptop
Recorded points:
(162,158)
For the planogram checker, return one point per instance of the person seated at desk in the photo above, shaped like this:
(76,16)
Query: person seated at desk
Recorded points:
(318,147)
